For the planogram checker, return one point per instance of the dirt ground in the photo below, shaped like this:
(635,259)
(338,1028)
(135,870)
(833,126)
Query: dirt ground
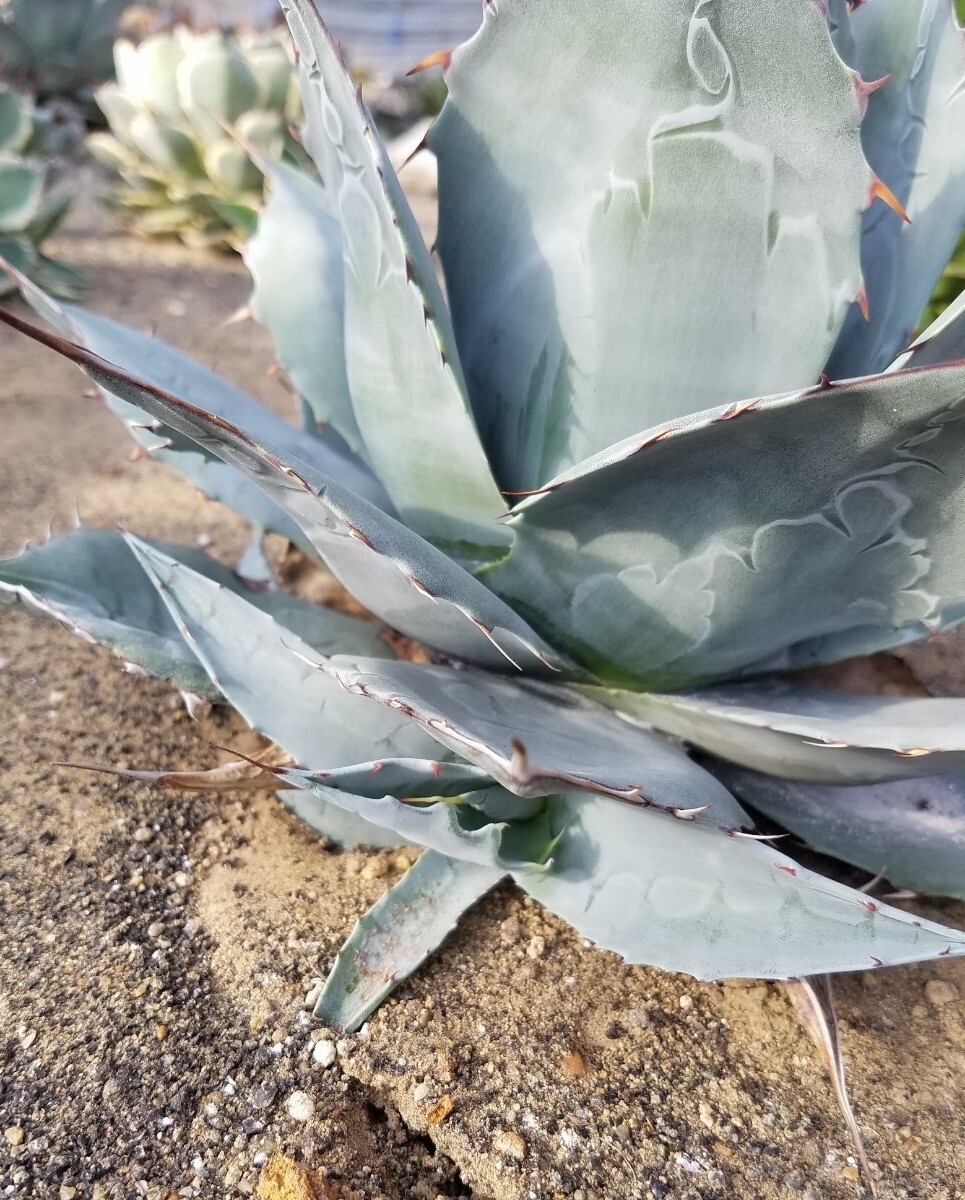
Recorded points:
(158,950)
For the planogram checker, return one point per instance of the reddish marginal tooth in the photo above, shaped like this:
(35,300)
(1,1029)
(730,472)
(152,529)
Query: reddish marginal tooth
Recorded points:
(546,662)
(652,440)
(376,767)
(490,637)
(358,535)
(914,752)
(420,587)
(437,769)
(869,905)
(738,410)
(881,191)
(876,962)
(866,88)
(688,814)
(824,382)
(439,58)
(786,870)
(862,302)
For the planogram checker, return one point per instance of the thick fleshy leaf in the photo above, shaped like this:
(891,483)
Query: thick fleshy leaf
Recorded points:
(165,367)
(404,778)
(295,260)
(447,826)
(407,388)
(942,342)
(600,215)
(809,733)
(697,901)
(91,582)
(779,528)
(912,137)
(265,672)
(398,934)
(337,824)
(404,580)
(534,738)
(912,830)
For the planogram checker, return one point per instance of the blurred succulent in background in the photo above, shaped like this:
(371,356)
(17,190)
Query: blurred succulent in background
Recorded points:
(673,345)
(58,49)
(29,211)
(178,100)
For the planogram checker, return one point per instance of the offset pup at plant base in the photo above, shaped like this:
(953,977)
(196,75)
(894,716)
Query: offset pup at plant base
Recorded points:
(665,222)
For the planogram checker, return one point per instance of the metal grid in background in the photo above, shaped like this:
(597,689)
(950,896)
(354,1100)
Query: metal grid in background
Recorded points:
(389,36)
(386,37)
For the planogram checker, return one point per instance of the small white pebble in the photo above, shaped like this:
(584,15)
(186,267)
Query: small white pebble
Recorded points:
(686,1002)
(313,993)
(421,1093)
(300,1106)
(324,1053)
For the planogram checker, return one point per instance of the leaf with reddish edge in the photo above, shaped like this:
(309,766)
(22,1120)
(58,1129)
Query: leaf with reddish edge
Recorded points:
(410,584)
(775,533)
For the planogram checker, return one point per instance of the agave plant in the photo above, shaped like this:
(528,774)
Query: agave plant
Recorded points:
(188,115)
(29,211)
(58,48)
(563,481)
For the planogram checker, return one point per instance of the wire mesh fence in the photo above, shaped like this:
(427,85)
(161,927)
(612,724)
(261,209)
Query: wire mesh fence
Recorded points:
(384,36)
(389,36)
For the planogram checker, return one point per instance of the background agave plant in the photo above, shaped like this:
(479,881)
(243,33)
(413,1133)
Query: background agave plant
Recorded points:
(635,251)
(29,211)
(57,49)
(177,96)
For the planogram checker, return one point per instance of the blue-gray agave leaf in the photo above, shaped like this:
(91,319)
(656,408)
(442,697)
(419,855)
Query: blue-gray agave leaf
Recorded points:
(912,830)
(403,370)
(942,342)
(744,536)
(90,581)
(535,738)
(693,899)
(598,220)
(812,734)
(448,826)
(266,673)
(397,934)
(167,368)
(295,259)
(397,575)
(912,135)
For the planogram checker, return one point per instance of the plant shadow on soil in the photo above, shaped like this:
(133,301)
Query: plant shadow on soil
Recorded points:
(157,947)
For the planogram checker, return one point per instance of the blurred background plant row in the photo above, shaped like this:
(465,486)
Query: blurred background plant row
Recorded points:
(180,102)
(181,99)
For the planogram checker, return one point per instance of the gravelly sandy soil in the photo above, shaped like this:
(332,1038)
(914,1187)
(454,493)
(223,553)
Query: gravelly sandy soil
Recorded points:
(157,949)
